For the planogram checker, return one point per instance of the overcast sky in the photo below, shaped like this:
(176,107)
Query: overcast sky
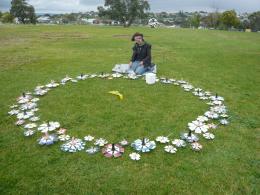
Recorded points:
(65,6)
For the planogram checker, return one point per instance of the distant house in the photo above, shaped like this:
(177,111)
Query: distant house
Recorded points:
(90,20)
(44,19)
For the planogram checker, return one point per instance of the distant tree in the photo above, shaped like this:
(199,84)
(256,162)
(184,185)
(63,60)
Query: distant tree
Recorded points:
(1,14)
(254,19)
(229,19)
(124,11)
(22,11)
(7,18)
(212,20)
(195,20)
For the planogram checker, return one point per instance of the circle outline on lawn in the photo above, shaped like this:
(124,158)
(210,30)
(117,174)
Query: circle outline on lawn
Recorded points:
(26,108)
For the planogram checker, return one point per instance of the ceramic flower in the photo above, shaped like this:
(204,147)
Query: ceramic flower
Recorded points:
(208,135)
(47,139)
(198,127)
(196,146)
(13,112)
(73,145)
(20,122)
(25,115)
(40,92)
(24,98)
(162,139)
(179,143)
(117,75)
(63,137)
(170,149)
(211,115)
(135,156)
(30,126)
(221,109)
(100,142)
(124,142)
(65,80)
(202,118)
(61,131)
(224,122)
(13,106)
(89,138)
(143,145)
(34,118)
(189,137)
(52,84)
(92,150)
(207,93)
(113,150)
(35,100)
(187,87)
(82,77)
(29,133)
(50,126)
(216,97)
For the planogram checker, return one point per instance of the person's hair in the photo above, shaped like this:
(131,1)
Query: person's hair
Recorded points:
(137,34)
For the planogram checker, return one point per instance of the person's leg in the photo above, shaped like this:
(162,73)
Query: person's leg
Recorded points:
(140,70)
(134,66)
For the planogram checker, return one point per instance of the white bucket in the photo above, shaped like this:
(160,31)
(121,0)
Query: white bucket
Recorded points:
(150,78)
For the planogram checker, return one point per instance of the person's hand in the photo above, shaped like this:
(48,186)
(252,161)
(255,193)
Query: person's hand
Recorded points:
(141,63)
(130,64)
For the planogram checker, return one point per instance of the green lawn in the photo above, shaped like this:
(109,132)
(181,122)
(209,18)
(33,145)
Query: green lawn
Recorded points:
(224,62)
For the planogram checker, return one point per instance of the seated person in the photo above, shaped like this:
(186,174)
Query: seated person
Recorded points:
(141,58)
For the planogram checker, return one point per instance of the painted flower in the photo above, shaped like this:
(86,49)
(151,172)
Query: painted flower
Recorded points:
(124,142)
(29,133)
(224,122)
(220,109)
(196,146)
(63,137)
(24,98)
(25,115)
(179,143)
(34,118)
(65,80)
(82,77)
(208,135)
(135,156)
(202,118)
(170,149)
(50,126)
(47,139)
(162,139)
(117,75)
(89,138)
(61,131)
(143,145)
(13,112)
(40,92)
(100,142)
(20,122)
(52,84)
(216,97)
(189,137)
(30,126)
(211,115)
(73,145)
(92,150)
(113,150)
(198,127)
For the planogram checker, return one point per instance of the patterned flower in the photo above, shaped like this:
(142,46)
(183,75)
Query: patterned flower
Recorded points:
(113,150)
(47,139)
(124,142)
(196,146)
(25,115)
(30,126)
(143,145)
(100,142)
(216,98)
(170,149)
(211,115)
(92,150)
(34,118)
(220,109)
(82,77)
(63,137)
(224,122)
(135,156)
(88,138)
(202,118)
(28,106)
(198,127)
(179,143)
(13,112)
(50,126)
(162,139)
(208,135)
(29,133)
(52,84)
(20,122)
(189,137)
(73,145)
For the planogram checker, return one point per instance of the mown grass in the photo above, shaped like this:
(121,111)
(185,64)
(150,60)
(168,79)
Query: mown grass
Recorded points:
(224,62)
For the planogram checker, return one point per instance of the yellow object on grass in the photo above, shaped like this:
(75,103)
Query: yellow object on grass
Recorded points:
(117,94)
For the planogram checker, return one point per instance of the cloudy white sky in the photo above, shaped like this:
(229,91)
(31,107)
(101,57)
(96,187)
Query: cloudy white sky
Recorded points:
(65,6)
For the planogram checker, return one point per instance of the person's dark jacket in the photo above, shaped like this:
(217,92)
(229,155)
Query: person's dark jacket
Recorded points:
(142,53)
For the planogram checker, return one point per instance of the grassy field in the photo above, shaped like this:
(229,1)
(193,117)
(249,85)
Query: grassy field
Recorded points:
(224,62)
